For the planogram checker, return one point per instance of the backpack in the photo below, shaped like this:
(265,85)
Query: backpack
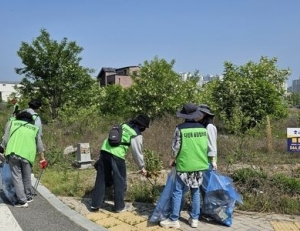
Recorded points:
(115,136)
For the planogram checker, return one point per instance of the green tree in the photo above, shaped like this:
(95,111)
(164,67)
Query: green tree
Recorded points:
(249,93)
(293,99)
(52,72)
(158,89)
(113,101)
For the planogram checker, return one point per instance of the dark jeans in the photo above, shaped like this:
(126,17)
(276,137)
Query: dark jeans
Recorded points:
(110,170)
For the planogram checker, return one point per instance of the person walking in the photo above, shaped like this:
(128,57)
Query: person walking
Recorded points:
(207,122)
(190,151)
(16,107)
(111,168)
(20,143)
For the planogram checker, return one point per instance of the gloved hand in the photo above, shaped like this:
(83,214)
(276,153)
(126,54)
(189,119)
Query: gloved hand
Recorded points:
(143,171)
(172,163)
(43,164)
(214,166)
(213,163)
(1,149)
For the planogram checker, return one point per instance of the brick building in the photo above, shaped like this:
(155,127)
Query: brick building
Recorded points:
(109,76)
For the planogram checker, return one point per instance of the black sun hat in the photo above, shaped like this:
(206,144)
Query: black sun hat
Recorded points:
(205,109)
(189,111)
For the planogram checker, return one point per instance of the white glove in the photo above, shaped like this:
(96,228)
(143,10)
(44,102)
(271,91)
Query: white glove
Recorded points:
(214,163)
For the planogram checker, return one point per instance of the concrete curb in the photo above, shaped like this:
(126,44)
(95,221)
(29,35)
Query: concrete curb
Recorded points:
(64,209)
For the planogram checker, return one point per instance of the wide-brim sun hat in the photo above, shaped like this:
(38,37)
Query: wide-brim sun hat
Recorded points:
(189,111)
(205,109)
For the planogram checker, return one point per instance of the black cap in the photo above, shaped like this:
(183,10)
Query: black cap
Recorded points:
(143,120)
(35,104)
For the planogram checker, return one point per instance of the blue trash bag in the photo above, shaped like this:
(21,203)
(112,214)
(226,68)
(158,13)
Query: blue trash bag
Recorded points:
(220,197)
(163,207)
(7,185)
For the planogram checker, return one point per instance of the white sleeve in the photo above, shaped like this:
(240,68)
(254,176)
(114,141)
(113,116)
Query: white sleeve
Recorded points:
(176,143)
(136,147)
(212,140)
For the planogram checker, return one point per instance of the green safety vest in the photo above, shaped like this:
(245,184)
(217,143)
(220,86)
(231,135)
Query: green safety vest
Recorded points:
(121,150)
(192,155)
(22,140)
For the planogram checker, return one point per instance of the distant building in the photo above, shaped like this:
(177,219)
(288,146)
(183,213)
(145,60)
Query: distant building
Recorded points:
(7,88)
(295,88)
(122,76)
(203,79)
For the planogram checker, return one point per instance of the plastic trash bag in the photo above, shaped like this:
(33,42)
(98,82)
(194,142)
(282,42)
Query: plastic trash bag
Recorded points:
(163,207)
(7,185)
(220,197)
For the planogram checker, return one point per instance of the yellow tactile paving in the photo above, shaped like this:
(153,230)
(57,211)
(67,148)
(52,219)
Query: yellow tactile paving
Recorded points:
(129,218)
(123,227)
(97,216)
(285,226)
(151,227)
(147,226)
(109,222)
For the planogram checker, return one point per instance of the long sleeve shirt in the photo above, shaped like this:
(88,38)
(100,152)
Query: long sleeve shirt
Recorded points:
(136,148)
(176,143)
(212,140)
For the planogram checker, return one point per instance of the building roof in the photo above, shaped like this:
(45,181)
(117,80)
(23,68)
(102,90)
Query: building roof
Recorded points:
(125,67)
(106,69)
(10,82)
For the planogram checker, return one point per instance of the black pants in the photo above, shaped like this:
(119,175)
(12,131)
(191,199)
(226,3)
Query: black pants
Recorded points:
(111,170)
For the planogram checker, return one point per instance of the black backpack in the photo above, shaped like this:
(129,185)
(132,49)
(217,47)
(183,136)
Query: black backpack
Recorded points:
(115,136)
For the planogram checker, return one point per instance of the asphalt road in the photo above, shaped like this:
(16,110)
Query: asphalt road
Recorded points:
(40,215)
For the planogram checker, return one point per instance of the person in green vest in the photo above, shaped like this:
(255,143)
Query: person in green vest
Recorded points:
(16,109)
(111,167)
(33,107)
(20,143)
(189,147)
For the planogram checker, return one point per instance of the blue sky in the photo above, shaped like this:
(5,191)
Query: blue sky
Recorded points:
(197,34)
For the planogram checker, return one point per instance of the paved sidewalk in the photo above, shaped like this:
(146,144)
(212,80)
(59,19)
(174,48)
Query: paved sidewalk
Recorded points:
(137,219)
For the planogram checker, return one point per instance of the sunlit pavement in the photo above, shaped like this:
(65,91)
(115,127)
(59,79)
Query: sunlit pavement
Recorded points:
(137,219)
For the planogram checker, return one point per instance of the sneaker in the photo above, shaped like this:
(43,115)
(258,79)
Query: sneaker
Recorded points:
(94,209)
(29,199)
(21,205)
(170,224)
(193,222)
(126,208)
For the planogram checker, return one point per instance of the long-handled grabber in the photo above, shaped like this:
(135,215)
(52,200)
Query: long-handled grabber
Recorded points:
(37,181)
(149,176)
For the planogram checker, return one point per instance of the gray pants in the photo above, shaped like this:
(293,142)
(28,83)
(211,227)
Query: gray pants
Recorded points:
(21,177)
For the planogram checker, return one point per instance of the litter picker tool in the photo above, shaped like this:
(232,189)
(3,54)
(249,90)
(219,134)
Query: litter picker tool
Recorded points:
(147,177)
(37,182)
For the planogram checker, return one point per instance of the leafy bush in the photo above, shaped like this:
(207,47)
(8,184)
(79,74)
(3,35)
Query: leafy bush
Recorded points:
(153,162)
(244,175)
(287,184)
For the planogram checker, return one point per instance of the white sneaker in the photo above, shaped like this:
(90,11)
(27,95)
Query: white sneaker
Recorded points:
(21,205)
(193,222)
(127,207)
(170,224)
